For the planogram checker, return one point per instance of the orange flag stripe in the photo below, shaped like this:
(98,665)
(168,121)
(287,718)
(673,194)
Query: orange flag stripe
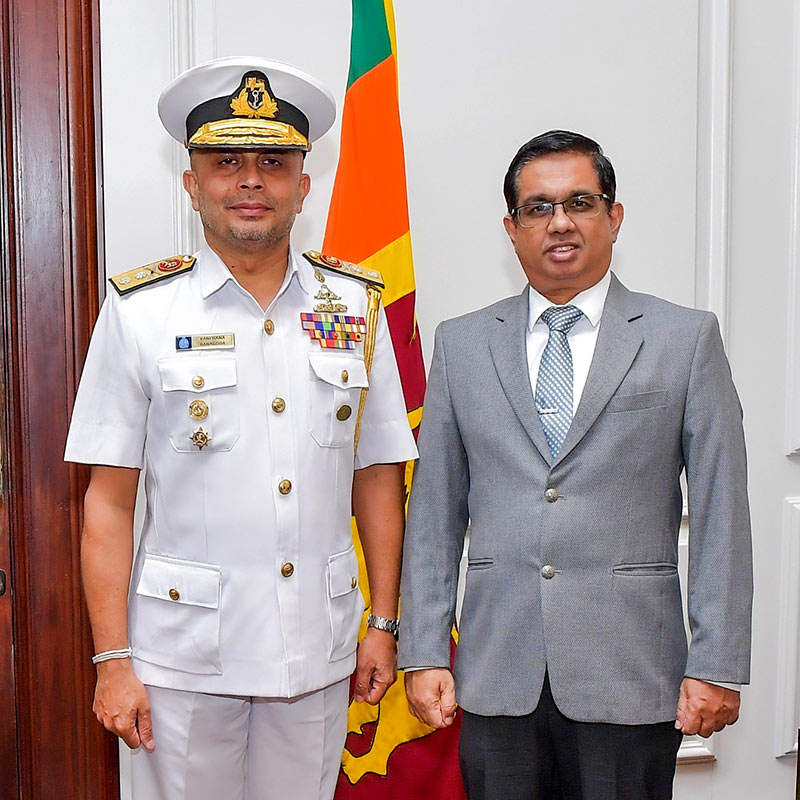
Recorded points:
(364,215)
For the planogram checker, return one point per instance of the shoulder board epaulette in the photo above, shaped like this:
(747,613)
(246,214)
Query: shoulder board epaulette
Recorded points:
(345,268)
(134,279)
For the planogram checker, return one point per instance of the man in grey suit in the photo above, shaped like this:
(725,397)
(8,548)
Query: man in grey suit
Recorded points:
(559,423)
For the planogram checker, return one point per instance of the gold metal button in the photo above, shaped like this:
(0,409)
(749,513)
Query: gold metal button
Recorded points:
(551,495)
(269,327)
(198,409)
(345,376)
(284,487)
(287,570)
(353,582)
(198,381)
(548,572)
(344,413)
(174,594)
(278,405)
(200,438)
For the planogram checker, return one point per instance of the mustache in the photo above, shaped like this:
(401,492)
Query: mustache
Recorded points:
(230,202)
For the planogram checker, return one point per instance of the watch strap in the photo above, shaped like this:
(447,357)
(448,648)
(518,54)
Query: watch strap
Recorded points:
(384,624)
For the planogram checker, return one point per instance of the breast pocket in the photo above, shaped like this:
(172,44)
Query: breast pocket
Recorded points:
(638,402)
(201,402)
(336,384)
(177,615)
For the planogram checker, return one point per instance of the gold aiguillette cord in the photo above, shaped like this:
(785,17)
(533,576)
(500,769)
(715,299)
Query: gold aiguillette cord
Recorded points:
(373,307)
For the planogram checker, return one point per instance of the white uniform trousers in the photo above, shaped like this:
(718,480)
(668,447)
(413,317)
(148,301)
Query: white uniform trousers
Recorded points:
(212,747)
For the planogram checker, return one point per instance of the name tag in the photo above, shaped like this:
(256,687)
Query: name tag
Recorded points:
(205,341)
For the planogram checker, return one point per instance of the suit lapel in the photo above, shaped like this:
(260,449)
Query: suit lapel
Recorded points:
(508,349)
(618,342)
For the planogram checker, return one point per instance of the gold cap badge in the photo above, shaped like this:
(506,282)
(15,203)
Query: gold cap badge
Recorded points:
(254,100)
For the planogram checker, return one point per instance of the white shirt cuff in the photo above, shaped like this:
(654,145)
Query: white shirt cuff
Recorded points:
(736,687)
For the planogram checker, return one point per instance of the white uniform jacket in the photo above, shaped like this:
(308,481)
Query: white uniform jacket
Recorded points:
(245,581)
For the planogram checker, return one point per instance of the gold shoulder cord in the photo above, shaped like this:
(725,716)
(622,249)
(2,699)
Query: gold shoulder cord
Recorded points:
(373,307)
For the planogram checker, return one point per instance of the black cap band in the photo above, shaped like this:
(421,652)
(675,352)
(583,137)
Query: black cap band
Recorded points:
(252,101)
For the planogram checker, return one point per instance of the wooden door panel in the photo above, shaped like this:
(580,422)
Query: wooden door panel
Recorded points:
(49,302)
(9,771)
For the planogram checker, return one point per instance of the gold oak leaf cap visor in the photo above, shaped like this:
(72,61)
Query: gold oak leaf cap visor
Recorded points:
(246,102)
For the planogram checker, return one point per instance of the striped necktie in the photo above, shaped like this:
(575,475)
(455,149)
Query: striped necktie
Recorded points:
(554,383)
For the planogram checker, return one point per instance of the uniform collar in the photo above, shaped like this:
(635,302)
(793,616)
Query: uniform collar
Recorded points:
(590,301)
(214,274)
(304,272)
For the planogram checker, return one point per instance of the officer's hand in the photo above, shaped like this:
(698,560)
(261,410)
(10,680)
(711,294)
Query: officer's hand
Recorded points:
(704,707)
(121,704)
(376,667)
(431,696)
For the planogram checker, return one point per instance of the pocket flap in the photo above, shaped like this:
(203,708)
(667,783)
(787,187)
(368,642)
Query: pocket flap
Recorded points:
(177,581)
(342,573)
(341,371)
(649,568)
(198,374)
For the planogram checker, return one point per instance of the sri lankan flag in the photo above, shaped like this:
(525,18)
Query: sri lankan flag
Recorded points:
(388,753)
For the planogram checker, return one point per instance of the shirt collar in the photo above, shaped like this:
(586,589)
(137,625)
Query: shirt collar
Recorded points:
(214,274)
(590,301)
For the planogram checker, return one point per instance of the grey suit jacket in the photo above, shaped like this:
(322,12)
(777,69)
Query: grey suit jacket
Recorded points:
(608,624)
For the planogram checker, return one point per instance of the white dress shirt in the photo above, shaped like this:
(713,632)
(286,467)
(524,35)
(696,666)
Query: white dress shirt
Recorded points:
(245,582)
(582,336)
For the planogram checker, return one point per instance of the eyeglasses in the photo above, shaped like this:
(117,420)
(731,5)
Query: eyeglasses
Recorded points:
(581,206)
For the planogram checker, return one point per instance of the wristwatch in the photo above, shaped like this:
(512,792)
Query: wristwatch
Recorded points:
(384,624)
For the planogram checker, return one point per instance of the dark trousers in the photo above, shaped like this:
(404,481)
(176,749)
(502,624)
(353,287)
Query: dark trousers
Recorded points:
(545,756)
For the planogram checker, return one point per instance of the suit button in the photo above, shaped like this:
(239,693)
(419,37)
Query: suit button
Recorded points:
(278,405)
(284,487)
(551,495)
(345,376)
(287,570)
(548,572)
(198,382)
(344,413)
(174,594)
(269,327)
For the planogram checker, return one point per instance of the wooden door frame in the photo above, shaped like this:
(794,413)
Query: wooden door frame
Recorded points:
(49,201)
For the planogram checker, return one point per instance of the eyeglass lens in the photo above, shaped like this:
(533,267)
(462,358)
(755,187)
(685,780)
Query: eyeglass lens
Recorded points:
(586,205)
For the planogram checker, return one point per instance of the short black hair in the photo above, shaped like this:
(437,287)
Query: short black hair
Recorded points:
(557,141)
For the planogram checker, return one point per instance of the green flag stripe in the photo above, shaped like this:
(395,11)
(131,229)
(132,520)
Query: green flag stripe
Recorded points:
(370,43)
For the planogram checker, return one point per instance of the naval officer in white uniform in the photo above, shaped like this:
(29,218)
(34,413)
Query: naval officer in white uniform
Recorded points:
(257,389)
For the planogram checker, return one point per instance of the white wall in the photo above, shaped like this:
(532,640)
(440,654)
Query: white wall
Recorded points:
(473,87)
(694,105)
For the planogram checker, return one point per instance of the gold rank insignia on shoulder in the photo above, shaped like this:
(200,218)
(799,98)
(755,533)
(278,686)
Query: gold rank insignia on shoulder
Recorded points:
(370,276)
(151,273)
